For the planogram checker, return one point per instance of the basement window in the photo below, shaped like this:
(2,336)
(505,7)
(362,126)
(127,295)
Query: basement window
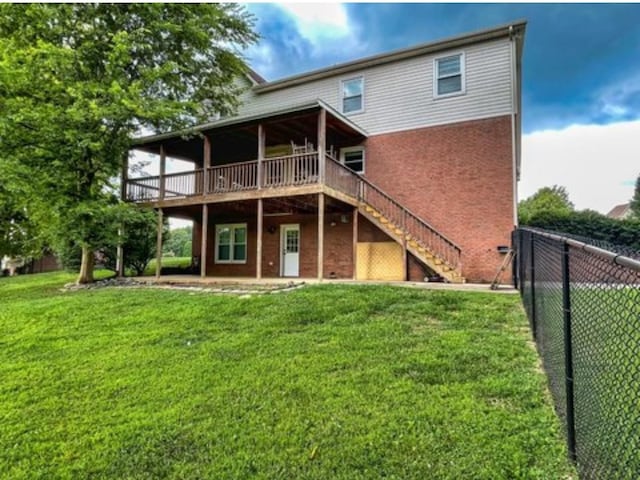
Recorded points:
(231,243)
(353,158)
(353,95)
(448,73)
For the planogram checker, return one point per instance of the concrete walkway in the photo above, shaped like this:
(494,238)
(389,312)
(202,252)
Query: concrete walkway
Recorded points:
(196,280)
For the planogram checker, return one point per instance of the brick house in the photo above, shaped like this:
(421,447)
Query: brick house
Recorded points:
(398,166)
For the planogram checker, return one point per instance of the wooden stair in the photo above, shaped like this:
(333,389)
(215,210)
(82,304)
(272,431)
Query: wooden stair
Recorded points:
(413,244)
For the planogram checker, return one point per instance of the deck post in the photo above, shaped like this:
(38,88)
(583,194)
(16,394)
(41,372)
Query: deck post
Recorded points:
(322,141)
(163,168)
(159,244)
(405,253)
(262,141)
(206,164)
(203,240)
(120,254)
(320,236)
(259,241)
(124,177)
(355,243)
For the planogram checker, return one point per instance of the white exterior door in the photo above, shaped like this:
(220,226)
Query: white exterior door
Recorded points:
(290,248)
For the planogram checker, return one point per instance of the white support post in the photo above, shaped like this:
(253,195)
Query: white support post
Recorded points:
(120,254)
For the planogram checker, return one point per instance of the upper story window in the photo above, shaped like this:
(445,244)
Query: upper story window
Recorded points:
(231,243)
(449,75)
(353,95)
(353,158)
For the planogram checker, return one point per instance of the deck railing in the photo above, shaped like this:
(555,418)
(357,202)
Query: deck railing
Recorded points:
(290,170)
(341,178)
(277,172)
(234,177)
(183,184)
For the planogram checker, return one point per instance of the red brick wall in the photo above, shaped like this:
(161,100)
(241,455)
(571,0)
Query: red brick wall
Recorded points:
(457,177)
(338,246)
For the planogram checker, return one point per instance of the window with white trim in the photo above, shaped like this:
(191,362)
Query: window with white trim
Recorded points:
(353,95)
(231,243)
(448,75)
(353,158)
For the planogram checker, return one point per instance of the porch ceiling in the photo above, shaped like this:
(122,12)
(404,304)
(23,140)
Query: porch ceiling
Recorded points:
(235,140)
(299,204)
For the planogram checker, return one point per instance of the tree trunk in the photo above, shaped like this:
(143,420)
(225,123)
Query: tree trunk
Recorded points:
(86,266)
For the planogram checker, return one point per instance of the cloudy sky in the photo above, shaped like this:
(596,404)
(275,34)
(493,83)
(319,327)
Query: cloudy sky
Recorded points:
(581,92)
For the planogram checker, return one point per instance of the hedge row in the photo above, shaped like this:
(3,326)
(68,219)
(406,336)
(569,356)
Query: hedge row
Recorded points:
(587,223)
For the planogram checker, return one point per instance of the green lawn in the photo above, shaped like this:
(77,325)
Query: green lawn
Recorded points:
(167,262)
(326,382)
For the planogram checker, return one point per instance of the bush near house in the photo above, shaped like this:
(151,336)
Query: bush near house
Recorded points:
(588,223)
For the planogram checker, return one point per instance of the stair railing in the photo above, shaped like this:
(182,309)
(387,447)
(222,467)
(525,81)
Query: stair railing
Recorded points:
(411,224)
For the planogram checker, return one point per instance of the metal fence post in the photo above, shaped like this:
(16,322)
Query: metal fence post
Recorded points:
(532,275)
(568,353)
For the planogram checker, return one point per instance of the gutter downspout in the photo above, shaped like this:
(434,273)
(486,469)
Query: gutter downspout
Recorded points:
(514,112)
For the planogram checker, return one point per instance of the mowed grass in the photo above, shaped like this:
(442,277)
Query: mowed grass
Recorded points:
(326,382)
(182,262)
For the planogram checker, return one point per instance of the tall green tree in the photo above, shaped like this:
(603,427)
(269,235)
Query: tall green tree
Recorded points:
(77,81)
(635,200)
(178,242)
(553,200)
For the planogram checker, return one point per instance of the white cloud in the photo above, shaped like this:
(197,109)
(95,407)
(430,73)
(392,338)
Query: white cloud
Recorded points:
(327,28)
(597,163)
(616,99)
(319,21)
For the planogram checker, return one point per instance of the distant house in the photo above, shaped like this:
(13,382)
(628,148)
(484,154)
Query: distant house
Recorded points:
(12,265)
(620,212)
(399,166)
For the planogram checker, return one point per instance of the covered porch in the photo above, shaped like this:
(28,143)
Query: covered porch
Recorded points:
(280,153)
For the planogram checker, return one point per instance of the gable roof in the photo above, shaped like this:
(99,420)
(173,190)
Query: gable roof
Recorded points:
(516,28)
(620,211)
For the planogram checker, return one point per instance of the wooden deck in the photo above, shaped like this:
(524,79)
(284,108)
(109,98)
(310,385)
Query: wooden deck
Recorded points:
(299,174)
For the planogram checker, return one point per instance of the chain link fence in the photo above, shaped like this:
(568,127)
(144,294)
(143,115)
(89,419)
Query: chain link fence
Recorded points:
(583,304)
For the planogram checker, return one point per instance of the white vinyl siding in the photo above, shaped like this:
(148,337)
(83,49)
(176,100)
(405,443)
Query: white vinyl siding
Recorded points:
(231,243)
(399,95)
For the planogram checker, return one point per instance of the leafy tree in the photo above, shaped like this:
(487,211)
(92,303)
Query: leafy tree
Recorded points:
(138,241)
(177,242)
(19,236)
(187,249)
(591,224)
(77,81)
(553,199)
(139,235)
(635,201)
